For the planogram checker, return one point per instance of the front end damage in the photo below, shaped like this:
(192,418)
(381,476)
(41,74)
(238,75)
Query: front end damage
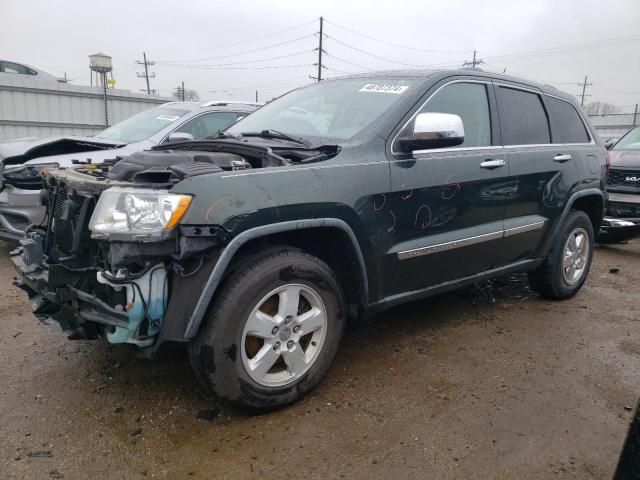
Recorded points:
(118,287)
(111,258)
(119,290)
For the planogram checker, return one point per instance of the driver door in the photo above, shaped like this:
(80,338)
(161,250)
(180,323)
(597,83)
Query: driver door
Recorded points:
(449,203)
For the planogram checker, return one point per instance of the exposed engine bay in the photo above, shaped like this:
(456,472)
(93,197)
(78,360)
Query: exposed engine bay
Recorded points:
(124,288)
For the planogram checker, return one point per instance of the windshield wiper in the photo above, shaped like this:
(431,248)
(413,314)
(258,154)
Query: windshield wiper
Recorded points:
(277,134)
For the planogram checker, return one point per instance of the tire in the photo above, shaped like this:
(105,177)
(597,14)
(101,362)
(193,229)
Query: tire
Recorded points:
(228,351)
(551,279)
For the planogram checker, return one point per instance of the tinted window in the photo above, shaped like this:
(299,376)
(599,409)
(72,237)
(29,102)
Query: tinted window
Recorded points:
(209,124)
(566,124)
(469,101)
(10,67)
(523,120)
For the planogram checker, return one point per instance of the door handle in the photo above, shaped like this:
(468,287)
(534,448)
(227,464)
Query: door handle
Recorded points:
(491,164)
(562,157)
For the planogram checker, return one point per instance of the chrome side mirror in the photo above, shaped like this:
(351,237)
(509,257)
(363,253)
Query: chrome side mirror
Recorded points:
(433,130)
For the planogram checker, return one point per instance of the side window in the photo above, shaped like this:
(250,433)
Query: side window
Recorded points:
(566,124)
(208,124)
(9,67)
(523,120)
(470,102)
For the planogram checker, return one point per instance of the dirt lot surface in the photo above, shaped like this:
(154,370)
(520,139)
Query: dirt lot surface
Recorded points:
(489,382)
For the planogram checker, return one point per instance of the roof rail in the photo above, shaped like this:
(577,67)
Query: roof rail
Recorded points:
(222,103)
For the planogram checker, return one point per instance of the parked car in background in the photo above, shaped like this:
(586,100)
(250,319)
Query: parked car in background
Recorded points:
(14,68)
(622,219)
(338,199)
(20,203)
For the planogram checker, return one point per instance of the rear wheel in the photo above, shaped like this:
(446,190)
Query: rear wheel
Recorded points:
(273,330)
(566,268)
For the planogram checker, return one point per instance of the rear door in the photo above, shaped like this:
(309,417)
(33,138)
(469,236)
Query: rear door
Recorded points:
(448,203)
(542,173)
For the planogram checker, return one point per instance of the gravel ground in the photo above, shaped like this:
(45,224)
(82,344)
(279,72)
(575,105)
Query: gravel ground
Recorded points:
(488,382)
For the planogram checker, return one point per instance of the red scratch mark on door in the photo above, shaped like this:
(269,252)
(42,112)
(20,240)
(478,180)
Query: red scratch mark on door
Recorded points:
(392,228)
(427,220)
(449,189)
(378,207)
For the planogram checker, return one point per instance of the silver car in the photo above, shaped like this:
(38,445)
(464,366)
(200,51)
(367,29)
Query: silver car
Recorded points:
(20,203)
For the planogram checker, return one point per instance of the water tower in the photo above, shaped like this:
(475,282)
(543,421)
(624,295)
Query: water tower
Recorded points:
(101,64)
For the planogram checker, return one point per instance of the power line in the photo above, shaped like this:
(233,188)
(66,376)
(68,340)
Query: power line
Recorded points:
(349,62)
(266,67)
(373,54)
(393,44)
(612,42)
(238,53)
(236,63)
(225,45)
(340,71)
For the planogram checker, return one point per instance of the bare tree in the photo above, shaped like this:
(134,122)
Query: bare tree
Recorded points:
(601,108)
(189,95)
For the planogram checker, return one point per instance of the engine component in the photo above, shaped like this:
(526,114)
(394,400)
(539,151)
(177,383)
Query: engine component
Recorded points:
(162,166)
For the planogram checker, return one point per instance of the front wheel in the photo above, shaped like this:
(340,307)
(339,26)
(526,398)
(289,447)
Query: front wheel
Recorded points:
(566,268)
(273,330)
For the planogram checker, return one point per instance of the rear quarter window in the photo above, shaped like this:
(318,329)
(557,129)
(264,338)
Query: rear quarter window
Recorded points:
(566,124)
(523,119)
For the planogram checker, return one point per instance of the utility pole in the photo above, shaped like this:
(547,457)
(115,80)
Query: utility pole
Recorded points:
(146,74)
(635,115)
(257,97)
(320,51)
(473,62)
(183,91)
(584,87)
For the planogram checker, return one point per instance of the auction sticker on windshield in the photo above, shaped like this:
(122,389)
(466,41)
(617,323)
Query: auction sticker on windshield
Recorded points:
(382,88)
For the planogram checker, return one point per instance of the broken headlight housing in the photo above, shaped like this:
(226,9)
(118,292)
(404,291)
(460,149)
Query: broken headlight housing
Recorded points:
(137,214)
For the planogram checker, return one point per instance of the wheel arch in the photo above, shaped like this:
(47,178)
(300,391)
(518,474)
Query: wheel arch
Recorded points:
(299,234)
(590,201)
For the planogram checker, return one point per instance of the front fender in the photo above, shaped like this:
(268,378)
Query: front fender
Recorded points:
(234,245)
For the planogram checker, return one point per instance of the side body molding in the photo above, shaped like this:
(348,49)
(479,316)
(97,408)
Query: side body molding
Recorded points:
(234,245)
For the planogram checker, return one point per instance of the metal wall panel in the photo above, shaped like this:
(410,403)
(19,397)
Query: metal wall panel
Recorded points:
(614,124)
(39,108)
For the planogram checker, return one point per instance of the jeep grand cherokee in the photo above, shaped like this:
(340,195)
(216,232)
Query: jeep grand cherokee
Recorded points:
(338,199)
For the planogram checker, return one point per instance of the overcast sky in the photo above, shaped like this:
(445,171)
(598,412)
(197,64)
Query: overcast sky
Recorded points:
(216,49)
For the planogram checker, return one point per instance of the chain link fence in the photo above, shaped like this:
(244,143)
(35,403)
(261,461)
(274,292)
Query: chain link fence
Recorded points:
(615,124)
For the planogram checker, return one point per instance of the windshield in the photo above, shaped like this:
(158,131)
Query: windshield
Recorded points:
(631,141)
(143,125)
(336,109)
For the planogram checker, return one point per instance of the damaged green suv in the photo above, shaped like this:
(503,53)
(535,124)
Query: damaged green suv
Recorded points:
(336,200)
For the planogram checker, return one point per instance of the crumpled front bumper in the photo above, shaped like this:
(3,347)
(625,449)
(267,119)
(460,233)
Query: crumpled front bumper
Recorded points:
(67,309)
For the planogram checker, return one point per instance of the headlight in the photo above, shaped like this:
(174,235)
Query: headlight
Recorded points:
(137,212)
